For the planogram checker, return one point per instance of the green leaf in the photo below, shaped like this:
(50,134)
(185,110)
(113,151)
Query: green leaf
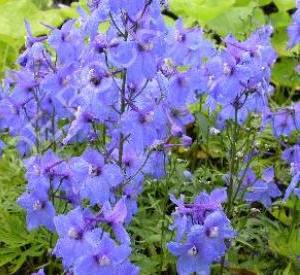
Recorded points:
(8,54)
(201,10)
(17,244)
(14,12)
(264,2)
(284,73)
(284,5)
(288,269)
(280,19)
(239,21)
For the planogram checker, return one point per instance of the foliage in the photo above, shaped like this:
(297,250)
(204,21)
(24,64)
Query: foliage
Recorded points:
(19,249)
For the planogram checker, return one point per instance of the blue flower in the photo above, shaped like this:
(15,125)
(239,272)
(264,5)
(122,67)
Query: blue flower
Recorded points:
(201,230)
(104,256)
(100,178)
(116,218)
(191,255)
(263,190)
(67,42)
(204,244)
(39,210)
(72,230)
(294,29)
(292,187)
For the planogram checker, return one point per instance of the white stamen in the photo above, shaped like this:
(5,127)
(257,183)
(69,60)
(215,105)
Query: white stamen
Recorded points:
(37,205)
(104,260)
(193,251)
(73,233)
(226,69)
(214,232)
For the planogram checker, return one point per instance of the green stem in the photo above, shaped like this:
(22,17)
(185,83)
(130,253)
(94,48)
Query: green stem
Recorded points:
(122,110)
(232,162)
(164,214)
(232,170)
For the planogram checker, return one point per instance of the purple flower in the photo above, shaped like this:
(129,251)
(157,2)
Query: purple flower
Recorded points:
(187,214)
(67,42)
(116,218)
(73,230)
(103,257)
(263,190)
(191,255)
(100,177)
(110,92)
(292,154)
(39,210)
(188,46)
(292,187)
(294,29)
(204,244)
(132,7)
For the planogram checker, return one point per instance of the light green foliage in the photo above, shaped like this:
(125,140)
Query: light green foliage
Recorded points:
(11,180)
(284,73)
(239,20)
(200,10)
(18,247)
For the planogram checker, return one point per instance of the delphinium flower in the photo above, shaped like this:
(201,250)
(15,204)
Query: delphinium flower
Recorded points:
(40,211)
(263,190)
(292,156)
(104,256)
(85,247)
(202,229)
(239,76)
(294,28)
(285,120)
(119,93)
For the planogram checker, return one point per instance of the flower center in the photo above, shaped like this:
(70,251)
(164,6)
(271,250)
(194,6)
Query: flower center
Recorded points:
(74,234)
(213,232)
(145,47)
(94,171)
(193,251)
(180,37)
(38,205)
(227,69)
(104,260)
(94,78)
(144,118)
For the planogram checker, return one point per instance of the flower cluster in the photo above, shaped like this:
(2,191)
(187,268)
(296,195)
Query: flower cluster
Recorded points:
(94,108)
(286,120)
(261,190)
(116,83)
(202,230)
(239,77)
